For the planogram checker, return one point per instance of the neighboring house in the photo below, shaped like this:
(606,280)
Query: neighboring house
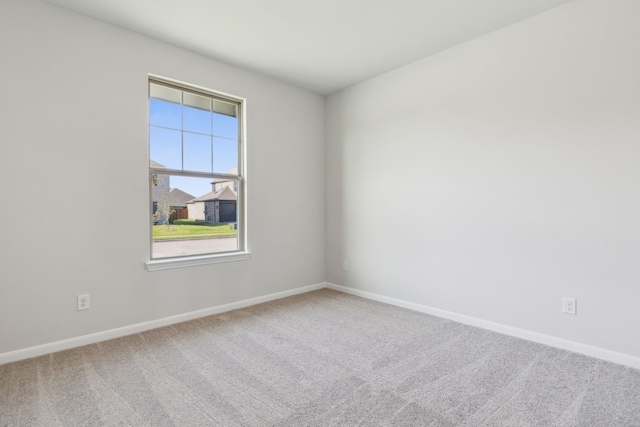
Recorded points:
(160,189)
(218,184)
(216,206)
(219,205)
(178,201)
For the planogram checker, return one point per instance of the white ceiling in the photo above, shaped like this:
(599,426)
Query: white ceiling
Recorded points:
(321,45)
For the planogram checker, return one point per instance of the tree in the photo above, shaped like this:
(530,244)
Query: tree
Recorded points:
(163,210)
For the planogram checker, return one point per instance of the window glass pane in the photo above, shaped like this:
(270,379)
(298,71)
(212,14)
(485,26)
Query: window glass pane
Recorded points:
(194,186)
(197,113)
(225,126)
(197,152)
(225,155)
(226,108)
(165,147)
(196,101)
(164,93)
(193,216)
(165,114)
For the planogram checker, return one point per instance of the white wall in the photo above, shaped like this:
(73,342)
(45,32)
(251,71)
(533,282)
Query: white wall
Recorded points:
(73,148)
(489,180)
(496,177)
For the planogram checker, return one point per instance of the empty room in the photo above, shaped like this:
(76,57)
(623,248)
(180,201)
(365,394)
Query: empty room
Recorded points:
(316,213)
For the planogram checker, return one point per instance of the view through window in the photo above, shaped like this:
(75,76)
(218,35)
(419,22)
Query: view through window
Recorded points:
(195,159)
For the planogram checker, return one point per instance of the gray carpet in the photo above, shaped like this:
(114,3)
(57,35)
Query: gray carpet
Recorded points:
(319,359)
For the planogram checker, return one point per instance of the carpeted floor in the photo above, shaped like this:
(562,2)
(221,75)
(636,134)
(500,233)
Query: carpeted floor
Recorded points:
(319,359)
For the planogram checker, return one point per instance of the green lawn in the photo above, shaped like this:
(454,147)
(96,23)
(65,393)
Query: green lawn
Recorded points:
(187,229)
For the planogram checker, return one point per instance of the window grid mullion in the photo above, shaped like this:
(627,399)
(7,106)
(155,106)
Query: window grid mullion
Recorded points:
(211,138)
(182,126)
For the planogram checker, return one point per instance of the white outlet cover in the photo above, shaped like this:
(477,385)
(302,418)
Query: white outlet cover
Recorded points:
(84,303)
(569,305)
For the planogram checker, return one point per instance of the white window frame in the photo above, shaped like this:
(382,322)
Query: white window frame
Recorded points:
(209,258)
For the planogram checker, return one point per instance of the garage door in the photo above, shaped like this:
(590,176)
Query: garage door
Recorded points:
(227,211)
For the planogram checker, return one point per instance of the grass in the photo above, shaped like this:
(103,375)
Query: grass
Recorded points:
(182,229)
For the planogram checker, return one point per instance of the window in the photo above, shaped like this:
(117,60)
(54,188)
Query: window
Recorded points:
(195,174)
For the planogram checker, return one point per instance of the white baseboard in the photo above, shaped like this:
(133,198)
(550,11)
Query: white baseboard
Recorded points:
(576,347)
(39,350)
(588,350)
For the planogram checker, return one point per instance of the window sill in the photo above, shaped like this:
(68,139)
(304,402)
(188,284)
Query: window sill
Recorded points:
(163,264)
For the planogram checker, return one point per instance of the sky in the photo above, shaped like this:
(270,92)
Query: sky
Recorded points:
(192,139)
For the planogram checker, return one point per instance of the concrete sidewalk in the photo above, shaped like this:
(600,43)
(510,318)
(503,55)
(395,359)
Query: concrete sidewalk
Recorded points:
(194,247)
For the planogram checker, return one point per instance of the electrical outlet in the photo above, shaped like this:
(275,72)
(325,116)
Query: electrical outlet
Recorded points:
(345,265)
(83,302)
(569,305)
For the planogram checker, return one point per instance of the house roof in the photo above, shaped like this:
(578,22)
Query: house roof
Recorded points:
(178,198)
(155,164)
(222,194)
(232,171)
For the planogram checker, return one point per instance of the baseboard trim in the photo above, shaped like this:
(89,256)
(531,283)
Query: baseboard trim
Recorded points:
(39,350)
(576,347)
(588,350)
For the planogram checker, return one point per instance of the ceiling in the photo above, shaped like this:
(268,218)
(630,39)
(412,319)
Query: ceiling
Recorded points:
(321,45)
